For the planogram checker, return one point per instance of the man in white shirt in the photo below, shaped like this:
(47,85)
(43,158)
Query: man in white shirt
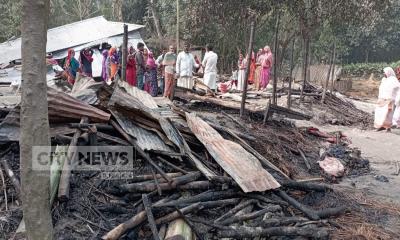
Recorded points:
(185,64)
(210,67)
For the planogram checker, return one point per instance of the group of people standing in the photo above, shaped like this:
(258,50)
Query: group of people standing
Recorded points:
(141,68)
(387,111)
(260,69)
(144,71)
(73,66)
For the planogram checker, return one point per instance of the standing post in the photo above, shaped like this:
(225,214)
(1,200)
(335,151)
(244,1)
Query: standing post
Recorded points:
(333,68)
(124,52)
(276,46)
(328,76)
(305,64)
(250,50)
(289,100)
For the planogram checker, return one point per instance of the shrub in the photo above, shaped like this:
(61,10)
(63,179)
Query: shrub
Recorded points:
(362,69)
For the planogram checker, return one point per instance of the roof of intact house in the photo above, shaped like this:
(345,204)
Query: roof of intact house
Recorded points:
(70,35)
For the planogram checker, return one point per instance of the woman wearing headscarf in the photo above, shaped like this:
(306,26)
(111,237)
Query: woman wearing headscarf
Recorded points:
(151,75)
(114,63)
(266,64)
(104,67)
(241,73)
(257,73)
(388,94)
(131,67)
(86,59)
(252,68)
(71,66)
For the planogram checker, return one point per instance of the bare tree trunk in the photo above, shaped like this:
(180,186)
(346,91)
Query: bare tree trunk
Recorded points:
(156,19)
(305,64)
(34,120)
(117,10)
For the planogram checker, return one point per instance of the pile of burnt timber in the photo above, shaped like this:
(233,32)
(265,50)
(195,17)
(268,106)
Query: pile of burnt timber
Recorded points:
(192,183)
(341,110)
(253,109)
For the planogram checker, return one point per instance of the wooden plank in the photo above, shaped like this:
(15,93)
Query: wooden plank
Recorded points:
(241,165)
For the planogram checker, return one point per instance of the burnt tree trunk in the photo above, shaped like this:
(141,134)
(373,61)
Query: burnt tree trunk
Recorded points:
(34,120)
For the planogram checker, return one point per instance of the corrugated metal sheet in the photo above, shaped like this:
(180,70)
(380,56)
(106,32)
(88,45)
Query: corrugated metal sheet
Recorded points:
(241,165)
(69,35)
(147,140)
(85,89)
(318,73)
(142,96)
(65,107)
(13,75)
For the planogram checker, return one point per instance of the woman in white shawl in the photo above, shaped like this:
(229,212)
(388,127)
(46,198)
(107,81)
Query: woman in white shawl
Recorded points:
(388,91)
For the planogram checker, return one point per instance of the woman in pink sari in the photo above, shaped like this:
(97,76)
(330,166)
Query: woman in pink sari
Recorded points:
(266,64)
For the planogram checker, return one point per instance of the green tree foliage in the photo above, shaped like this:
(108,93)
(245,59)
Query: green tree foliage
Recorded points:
(362,30)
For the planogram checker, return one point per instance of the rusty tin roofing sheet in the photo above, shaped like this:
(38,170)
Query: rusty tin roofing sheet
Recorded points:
(241,165)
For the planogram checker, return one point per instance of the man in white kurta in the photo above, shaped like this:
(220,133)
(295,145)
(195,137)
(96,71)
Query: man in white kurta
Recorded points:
(210,68)
(184,68)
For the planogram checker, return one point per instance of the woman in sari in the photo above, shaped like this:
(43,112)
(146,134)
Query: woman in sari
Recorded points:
(114,63)
(104,70)
(266,64)
(131,67)
(71,66)
(242,72)
(257,73)
(252,68)
(388,92)
(151,75)
(86,59)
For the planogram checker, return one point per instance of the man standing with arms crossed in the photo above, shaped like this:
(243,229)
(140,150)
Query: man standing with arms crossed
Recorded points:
(210,67)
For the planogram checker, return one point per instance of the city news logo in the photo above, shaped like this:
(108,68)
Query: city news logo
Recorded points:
(107,159)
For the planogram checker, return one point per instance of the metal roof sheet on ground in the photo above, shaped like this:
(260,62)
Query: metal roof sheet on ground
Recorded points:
(70,35)
(147,140)
(241,165)
(143,97)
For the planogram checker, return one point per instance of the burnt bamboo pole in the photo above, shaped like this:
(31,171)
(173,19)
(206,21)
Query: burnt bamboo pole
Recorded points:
(124,52)
(276,53)
(249,51)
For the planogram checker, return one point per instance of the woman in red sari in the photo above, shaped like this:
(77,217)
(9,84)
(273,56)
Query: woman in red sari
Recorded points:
(131,68)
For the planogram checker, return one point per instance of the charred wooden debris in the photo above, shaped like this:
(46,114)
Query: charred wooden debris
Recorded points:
(186,181)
